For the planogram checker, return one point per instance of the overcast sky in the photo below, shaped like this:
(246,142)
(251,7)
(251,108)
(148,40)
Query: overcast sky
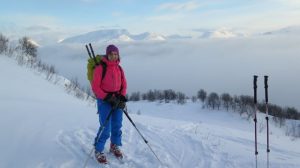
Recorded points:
(160,16)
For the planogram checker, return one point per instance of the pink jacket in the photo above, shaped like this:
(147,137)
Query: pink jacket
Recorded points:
(113,81)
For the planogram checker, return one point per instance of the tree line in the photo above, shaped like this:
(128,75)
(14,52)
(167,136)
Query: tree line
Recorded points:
(25,52)
(245,104)
(160,95)
(242,104)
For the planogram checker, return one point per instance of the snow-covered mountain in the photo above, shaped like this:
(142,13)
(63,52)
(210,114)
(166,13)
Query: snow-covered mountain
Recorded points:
(112,35)
(41,35)
(148,36)
(97,36)
(122,35)
(292,30)
(42,126)
(220,33)
(178,37)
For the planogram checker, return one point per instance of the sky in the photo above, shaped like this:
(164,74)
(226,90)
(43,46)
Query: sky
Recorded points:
(138,16)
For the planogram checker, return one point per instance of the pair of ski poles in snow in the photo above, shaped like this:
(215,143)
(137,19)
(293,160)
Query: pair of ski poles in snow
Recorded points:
(255,116)
(109,115)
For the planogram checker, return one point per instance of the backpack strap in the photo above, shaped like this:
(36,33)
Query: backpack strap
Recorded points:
(104,67)
(122,72)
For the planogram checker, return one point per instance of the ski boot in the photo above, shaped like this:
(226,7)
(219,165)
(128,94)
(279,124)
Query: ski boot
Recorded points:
(115,150)
(100,157)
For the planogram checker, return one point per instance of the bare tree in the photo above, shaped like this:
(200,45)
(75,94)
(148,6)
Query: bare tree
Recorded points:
(3,43)
(181,98)
(202,95)
(292,113)
(28,48)
(150,96)
(144,96)
(135,96)
(169,95)
(227,99)
(213,100)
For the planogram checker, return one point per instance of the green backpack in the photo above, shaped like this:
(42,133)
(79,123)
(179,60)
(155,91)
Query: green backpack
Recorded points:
(92,65)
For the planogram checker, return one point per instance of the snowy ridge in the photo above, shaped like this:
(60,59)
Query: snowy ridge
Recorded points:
(112,35)
(123,35)
(291,30)
(221,33)
(50,128)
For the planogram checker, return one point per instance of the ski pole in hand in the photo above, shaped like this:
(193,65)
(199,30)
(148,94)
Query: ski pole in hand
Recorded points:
(127,115)
(267,117)
(255,117)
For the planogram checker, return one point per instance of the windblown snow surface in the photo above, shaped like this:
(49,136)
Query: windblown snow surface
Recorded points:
(44,127)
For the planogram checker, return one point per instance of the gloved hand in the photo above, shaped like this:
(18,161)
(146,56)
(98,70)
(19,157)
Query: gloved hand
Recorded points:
(122,103)
(112,100)
(122,98)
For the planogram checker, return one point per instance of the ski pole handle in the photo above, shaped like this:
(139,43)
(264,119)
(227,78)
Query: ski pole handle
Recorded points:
(86,46)
(92,49)
(94,57)
(266,88)
(255,88)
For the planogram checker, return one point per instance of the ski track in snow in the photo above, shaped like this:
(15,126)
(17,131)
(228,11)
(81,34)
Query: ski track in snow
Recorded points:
(176,148)
(179,145)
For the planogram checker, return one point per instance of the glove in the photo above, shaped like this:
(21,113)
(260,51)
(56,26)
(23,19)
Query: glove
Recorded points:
(112,100)
(122,103)
(122,98)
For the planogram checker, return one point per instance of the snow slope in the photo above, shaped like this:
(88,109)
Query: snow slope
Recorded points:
(42,126)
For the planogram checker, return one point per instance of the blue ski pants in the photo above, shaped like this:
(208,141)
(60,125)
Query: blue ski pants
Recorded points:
(113,126)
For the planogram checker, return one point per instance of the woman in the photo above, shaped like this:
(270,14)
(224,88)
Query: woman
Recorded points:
(110,90)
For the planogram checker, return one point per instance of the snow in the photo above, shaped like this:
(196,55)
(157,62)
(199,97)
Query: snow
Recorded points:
(221,33)
(34,43)
(42,126)
(112,35)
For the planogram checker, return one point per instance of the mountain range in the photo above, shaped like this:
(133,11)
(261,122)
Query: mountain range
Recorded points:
(44,35)
(123,35)
(113,35)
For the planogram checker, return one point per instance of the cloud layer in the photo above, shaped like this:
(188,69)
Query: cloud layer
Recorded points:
(220,65)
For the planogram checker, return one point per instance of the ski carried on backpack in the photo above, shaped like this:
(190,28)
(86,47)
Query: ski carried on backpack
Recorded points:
(93,62)
(91,56)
